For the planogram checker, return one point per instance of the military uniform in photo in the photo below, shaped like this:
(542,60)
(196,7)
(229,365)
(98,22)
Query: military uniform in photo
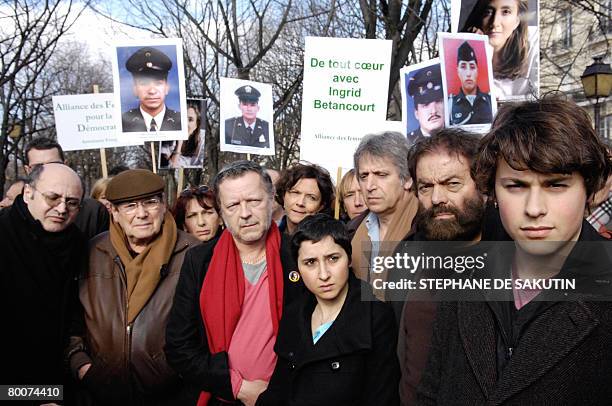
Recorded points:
(470,109)
(465,112)
(238,132)
(152,63)
(425,87)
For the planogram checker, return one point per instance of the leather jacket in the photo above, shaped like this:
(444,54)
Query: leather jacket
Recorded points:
(128,361)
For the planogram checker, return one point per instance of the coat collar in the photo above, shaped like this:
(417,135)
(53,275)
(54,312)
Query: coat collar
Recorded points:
(102,243)
(538,350)
(350,332)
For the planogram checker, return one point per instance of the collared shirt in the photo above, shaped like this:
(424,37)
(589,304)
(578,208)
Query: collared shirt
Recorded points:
(159,118)
(251,126)
(373,226)
(602,214)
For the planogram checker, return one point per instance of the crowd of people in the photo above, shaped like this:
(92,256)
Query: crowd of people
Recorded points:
(249,292)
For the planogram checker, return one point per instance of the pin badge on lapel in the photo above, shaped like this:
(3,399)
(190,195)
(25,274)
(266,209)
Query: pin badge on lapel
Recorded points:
(294,276)
(335,366)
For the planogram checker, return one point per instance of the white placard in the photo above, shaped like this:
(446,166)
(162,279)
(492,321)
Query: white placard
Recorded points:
(131,95)
(86,121)
(346,85)
(235,113)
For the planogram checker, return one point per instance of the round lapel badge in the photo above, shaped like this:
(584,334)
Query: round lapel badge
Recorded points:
(294,276)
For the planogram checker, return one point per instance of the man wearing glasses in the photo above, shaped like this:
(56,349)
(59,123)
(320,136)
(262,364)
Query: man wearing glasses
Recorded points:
(42,252)
(92,218)
(126,295)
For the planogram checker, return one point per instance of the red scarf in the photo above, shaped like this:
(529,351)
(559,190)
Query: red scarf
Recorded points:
(222,292)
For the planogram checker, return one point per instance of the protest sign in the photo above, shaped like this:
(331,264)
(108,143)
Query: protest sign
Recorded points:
(345,97)
(86,121)
(247,116)
(149,81)
(512,28)
(467,76)
(422,99)
(188,153)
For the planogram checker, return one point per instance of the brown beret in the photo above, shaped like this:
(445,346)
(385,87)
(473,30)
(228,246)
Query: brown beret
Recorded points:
(134,184)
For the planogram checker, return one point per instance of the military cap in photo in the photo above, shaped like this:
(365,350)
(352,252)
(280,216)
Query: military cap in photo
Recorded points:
(149,61)
(426,85)
(134,184)
(247,94)
(466,53)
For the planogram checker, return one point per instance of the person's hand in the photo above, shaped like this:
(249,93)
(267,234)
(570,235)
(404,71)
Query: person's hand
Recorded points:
(83,370)
(476,30)
(250,391)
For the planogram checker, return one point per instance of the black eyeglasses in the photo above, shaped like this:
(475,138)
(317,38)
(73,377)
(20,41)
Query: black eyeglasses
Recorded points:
(54,200)
(194,191)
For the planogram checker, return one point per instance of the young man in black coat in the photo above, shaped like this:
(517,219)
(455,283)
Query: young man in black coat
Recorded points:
(541,163)
(42,252)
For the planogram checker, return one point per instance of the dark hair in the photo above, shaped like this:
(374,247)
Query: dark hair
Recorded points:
(190,147)
(42,144)
(237,169)
(551,135)
(292,175)
(203,195)
(515,51)
(453,141)
(318,226)
(116,170)
(388,145)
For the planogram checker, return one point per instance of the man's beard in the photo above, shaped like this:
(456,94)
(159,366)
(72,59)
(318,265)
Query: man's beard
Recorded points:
(465,226)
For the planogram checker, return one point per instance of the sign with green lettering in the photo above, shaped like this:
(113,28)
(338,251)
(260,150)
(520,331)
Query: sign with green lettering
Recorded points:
(345,97)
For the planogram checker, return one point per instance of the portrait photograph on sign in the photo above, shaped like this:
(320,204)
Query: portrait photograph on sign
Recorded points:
(189,153)
(512,29)
(149,83)
(422,99)
(467,78)
(246,117)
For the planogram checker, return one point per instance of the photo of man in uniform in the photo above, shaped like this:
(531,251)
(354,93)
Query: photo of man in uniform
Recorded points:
(425,87)
(470,106)
(247,129)
(149,68)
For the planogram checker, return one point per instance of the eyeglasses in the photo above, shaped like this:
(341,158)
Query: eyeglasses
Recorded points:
(194,191)
(151,204)
(54,200)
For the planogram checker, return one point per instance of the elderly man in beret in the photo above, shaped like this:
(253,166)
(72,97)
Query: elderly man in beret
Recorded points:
(116,351)
(247,130)
(149,68)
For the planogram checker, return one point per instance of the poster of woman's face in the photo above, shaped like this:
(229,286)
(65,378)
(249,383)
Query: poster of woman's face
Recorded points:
(189,153)
(246,117)
(467,78)
(512,29)
(422,99)
(150,89)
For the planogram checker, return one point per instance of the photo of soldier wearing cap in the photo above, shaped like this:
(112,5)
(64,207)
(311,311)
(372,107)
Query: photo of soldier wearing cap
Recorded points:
(247,130)
(425,88)
(149,68)
(470,105)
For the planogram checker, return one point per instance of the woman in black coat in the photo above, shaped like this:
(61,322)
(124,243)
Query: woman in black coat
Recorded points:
(333,347)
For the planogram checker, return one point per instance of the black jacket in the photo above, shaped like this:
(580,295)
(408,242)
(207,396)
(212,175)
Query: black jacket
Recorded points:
(186,342)
(38,292)
(353,363)
(560,352)
(133,121)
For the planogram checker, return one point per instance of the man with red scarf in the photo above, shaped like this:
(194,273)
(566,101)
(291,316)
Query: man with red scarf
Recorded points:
(231,293)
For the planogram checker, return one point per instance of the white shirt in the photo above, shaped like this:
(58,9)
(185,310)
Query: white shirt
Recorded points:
(159,118)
